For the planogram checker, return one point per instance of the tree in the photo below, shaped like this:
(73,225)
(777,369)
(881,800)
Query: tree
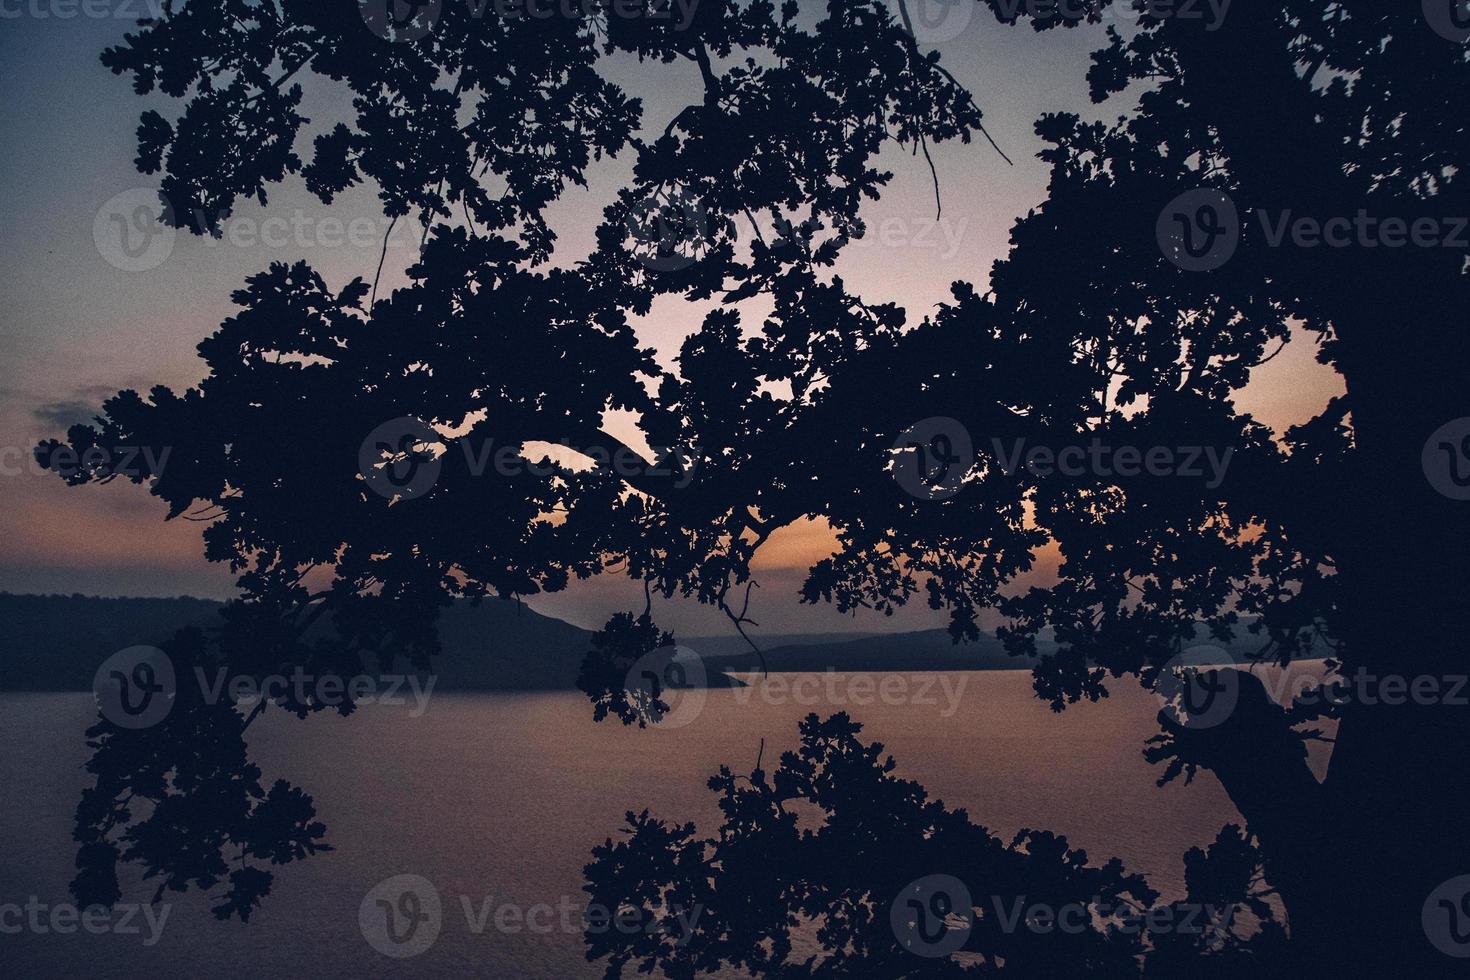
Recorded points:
(1307,109)
(1090,330)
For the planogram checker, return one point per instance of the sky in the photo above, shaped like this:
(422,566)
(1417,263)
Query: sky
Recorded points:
(75,327)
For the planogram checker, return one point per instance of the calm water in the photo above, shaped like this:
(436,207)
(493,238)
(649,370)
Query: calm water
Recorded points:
(503,796)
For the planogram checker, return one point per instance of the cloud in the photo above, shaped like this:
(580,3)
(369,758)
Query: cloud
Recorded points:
(65,413)
(81,404)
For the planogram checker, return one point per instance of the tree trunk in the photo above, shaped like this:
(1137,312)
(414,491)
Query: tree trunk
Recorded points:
(1389,823)
(1396,791)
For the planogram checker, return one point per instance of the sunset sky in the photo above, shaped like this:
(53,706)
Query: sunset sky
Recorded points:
(76,329)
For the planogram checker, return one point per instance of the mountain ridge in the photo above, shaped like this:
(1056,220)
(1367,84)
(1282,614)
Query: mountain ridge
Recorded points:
(56,642)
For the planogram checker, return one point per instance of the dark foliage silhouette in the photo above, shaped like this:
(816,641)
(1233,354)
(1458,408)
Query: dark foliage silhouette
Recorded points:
(826,844)
(1328,531)
(182,799)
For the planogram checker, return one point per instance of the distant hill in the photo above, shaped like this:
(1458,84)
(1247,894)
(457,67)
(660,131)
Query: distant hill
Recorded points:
(505,646)
(55,643)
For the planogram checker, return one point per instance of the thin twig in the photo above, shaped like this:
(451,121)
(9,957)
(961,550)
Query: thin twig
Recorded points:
(255,713)
(933,175)
(739,627)
(903,9)
(381,256)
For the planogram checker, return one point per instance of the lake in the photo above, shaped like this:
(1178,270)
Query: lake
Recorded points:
(499,798)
